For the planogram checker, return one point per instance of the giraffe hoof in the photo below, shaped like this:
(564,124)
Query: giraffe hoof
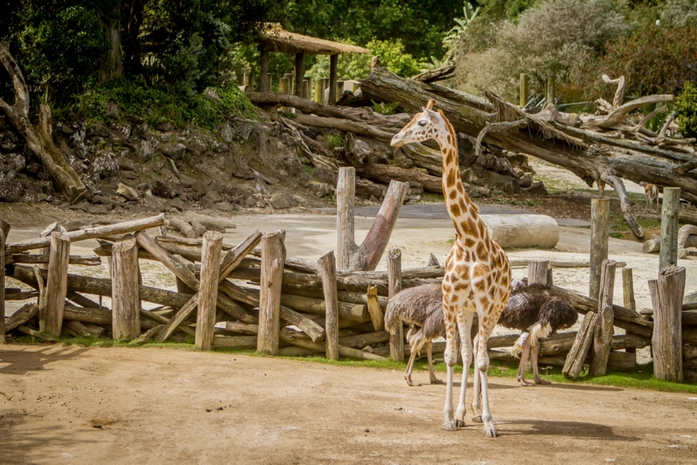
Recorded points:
(477,419)
(449,426)
(460,423)
(490,432)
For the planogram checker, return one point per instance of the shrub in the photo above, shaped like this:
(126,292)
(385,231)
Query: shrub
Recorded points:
(135,99)
(547,40)
(686,109)
(679,13)
(653,60)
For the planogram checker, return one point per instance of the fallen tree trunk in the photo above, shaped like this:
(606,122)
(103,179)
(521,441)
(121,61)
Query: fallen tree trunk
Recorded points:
(38,138)
(592,161)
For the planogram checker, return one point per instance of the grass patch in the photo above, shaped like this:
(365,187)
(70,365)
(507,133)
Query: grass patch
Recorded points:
(518,203)
(643,378)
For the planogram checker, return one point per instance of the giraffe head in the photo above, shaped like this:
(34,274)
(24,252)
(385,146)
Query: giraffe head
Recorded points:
(427,124)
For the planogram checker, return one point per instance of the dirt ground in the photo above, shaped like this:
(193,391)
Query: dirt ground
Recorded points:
(96,405)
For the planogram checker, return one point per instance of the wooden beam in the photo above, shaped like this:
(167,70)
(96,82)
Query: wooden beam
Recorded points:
(666,297)
(394,273)
(600,216)
(51,307)
(669,228)
(299,74)
(333,66)
(124,290)
(273,254)
(327,270)
(602,337)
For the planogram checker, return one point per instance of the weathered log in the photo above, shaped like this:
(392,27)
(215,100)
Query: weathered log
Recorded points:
(470,114)
(668,255)
(214,223)
(80,329)
(387,173)
(666,297)
(198,228)
(16,294)
(602,337)
(689,317)
(183,227)
(689,335)
(102,286)
(355,127)
(359,341)
(577,355)
(237,327)
(5,227)
(234,342)
(327,270)
(43,258)
(90,233)
(272,258)
(234,257)
(309,327)
(170,262)
(210,269)
(600,216)
(125,301)
(97,316)
(34,333)
(151,315)
(38,138)
(343,351)
(51,307)
(347,311)
(21,316)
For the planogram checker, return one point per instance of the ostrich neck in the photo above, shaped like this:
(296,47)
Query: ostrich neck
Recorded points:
(463,213)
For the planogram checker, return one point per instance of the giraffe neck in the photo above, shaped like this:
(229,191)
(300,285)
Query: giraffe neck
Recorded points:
(463,213)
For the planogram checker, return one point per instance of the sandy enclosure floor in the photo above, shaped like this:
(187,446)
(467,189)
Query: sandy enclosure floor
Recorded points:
(122,406)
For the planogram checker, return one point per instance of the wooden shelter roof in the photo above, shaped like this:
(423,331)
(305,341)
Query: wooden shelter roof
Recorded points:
(276,39)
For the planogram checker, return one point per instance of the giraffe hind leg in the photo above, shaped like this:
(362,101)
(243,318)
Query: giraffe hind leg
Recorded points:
(450,357)
(482,366)
(464,323)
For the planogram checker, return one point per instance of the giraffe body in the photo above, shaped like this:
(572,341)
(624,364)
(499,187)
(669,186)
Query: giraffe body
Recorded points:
(477,273)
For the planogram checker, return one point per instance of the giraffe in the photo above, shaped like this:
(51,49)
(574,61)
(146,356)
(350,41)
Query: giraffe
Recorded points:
(477,273)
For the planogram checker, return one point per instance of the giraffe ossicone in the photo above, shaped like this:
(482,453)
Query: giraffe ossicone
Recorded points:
(477,273)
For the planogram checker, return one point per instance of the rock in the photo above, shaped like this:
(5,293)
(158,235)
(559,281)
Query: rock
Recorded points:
(11,189)
(279,201)
(127,192)
(97,130)
(144,149)
(82,206)
(173,150)
(366,189)
(537,188)
(225,207)
(196,145)
(175,203)
(105,164)
(213,196)
(101,200)
(525,180)
(98,209)
(164,126)
(200,187)
(186,181)
(250,202)
(322,189)
(226,133)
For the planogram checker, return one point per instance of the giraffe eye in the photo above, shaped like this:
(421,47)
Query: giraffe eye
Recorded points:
(422,122)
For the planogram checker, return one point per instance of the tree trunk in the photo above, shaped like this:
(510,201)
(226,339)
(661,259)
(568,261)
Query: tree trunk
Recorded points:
(590,159)
(38,139)
(113,65)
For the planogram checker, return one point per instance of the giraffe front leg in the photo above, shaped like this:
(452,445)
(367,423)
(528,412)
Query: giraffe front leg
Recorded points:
(477,391)
(483,368)
(464,323)
(450,357)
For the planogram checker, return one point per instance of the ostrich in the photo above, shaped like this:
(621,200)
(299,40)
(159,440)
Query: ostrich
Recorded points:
(539,312)
(422,308)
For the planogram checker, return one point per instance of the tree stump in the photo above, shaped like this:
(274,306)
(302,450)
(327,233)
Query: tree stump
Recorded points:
(208,289)
(602,337)
(51,307)
(666,298)
(327,270)
(124,290)
(273,256)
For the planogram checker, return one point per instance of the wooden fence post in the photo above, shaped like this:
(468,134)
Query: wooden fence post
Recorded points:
(551,89)
(2,284)
(524,92)
(577,355)
(538,272)
(345,205)
(600,216)
(666,297)
(669,228)
(394,285)
(273,257)
(628,296)
(327,270)
(125,299)
(51,310)
(208,289)
(602,337)
(333,65)
(264,85)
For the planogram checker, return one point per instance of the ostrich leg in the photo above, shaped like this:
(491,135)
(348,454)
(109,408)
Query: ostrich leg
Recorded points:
(535,370)
(523,361)
(431,373)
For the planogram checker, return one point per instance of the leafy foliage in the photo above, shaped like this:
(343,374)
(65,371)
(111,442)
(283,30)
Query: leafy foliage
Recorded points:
(686,109)
(680,13)
(135,99)
(654,60)
(384,108)
(357,65)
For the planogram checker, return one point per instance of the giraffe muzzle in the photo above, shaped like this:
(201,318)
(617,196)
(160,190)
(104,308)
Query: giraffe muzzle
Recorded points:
(397,141)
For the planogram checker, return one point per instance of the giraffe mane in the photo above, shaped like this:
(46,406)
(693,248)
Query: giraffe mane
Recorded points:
(451,131)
